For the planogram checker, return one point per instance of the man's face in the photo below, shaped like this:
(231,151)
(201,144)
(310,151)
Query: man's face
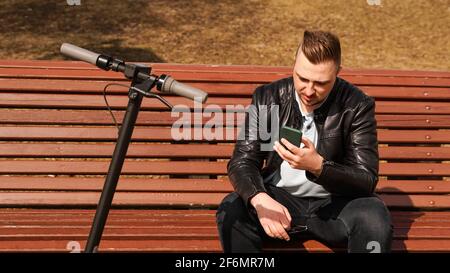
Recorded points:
(313,82)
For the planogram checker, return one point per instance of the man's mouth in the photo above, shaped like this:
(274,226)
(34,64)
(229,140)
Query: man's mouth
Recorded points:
(308,99)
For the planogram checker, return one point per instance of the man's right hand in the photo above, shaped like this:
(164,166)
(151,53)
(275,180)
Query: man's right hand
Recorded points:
(273,216)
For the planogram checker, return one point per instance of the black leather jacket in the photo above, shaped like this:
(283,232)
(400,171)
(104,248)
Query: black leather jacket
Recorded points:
(347,140)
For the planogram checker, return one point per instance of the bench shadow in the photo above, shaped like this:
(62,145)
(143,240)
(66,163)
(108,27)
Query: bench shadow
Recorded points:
(404,215)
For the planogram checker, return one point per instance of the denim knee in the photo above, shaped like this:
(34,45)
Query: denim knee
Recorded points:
(368,222)
(231,211)
(371,215)
(230,206)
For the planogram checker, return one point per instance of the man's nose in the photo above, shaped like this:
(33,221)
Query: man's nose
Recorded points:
(309,90)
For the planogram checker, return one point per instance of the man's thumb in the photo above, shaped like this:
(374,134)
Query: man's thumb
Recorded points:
(307,142)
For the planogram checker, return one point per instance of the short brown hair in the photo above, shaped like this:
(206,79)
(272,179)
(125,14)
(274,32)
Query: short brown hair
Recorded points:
(321,46)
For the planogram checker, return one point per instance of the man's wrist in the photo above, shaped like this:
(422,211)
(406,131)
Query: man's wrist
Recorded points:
(318,170)
(255,199)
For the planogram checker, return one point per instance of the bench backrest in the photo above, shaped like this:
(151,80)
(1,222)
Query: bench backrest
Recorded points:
(56,136)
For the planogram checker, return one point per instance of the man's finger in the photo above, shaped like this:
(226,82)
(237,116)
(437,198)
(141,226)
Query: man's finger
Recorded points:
(278,230)
(291,147)
(288,216)
(282,232)
(307,142)
(274,231)
(285,154)
(268,230)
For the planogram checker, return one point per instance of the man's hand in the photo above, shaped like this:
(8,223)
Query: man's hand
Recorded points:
(305,158)
(273,216)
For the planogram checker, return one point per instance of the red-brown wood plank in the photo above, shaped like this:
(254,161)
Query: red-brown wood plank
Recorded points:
(422,153)
(36,183)
(120,199)
(413,136)
(413,121)
(413,186)
(77,101)
(149,167)
(142,199)
(55,214)
(399,107)
(98,117)
(101,167)
(213,89)
(199,246)
(415,169)
(55,64)
(87,87)
(96,133)
(416,201)
(210,75)
(407,93)
(97,150)
(172,218)
(156,245)
(102,117)
(171,232)
(140,150)
(125,184)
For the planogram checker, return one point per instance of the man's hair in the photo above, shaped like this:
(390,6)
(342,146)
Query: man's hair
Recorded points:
(321,46)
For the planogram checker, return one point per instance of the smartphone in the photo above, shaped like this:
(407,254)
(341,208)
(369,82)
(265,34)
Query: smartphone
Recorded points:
(292,135)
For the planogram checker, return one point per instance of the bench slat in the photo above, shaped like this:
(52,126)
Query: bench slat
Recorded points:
(177,214)
(101,167)
(98,117)
(125,184)
(199,246)
(61,101)
(95,133)
(67,64)
(185,199)
(213,89)
(146,233)
(139,150)
(222,76)
(133,167)
(18,183)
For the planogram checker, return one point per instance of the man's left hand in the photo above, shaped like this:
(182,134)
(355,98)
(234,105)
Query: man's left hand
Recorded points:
(306,158)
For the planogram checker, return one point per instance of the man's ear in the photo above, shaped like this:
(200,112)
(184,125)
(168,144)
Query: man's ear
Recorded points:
(339,70)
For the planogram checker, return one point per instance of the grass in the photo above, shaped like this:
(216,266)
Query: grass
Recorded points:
(398,34)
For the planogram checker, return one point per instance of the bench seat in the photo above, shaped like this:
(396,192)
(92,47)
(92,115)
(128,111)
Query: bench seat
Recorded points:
(57,138)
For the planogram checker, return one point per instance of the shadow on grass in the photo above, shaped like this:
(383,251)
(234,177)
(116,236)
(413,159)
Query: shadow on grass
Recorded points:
(99,26)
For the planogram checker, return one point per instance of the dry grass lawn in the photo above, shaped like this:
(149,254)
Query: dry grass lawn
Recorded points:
(398,34)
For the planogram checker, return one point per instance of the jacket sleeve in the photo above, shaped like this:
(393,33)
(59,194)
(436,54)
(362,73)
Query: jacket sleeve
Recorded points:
(244,167)
(357,174)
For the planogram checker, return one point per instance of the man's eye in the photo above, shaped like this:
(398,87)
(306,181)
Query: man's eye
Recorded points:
(303,79)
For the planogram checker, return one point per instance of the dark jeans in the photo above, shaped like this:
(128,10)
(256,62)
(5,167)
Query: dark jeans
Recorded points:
(362,224)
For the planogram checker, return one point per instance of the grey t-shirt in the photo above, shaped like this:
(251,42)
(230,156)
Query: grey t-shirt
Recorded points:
(293,180)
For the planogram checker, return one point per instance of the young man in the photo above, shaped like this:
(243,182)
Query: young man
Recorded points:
(322,190)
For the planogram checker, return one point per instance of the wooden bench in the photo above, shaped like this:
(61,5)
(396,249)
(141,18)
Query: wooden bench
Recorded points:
(56,139)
